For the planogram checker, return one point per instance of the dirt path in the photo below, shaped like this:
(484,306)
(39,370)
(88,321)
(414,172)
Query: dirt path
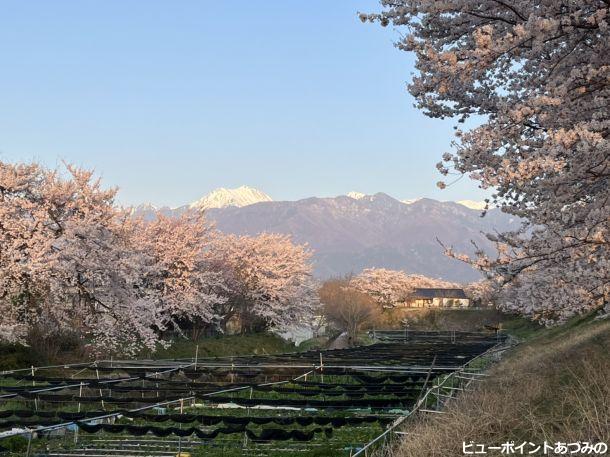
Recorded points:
(341,342)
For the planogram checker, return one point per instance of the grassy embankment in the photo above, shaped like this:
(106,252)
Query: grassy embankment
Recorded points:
(16,356)
(553,387)
(453,319)
(258,344)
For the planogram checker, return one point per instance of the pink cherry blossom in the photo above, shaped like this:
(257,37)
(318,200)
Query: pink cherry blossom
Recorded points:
(533,78)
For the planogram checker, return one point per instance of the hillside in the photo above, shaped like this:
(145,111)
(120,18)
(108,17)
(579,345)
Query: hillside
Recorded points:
(553,387)
(348,234)
(351,232)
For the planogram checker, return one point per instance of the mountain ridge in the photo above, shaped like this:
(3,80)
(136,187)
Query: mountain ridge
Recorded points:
(349,234)
(244,195)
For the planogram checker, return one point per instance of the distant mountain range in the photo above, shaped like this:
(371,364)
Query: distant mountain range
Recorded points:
(351,232)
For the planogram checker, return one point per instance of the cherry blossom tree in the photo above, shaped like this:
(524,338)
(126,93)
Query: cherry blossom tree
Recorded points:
(269,278)
(65,262)
(20,240)
(183,282)
(534,77)
(390,287)
(386,287)
(481,293)
(71,260)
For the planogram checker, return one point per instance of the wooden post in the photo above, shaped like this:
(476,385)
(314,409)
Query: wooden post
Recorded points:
(321,367)
(248,408)
(97,374)
(180,426)
(427,379)
(80,394)
(27,454)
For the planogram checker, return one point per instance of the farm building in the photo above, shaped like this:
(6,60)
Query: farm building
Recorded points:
(438,298)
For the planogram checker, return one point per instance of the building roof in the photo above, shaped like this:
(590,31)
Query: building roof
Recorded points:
(438,293)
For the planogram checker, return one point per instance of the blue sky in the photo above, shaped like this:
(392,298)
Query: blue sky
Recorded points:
(169,100)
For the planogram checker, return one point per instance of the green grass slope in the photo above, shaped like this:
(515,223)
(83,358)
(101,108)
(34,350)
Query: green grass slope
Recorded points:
(225,345)
(17,356)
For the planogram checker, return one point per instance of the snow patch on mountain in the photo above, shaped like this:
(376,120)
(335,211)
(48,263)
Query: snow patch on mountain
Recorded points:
(356,195)
(142,209)
(222,198)
(472,204)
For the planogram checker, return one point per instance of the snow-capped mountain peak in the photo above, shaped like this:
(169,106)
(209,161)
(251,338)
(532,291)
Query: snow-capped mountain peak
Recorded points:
(409,201)
(472,204)
(143,208)
(356,195)
(222,197)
